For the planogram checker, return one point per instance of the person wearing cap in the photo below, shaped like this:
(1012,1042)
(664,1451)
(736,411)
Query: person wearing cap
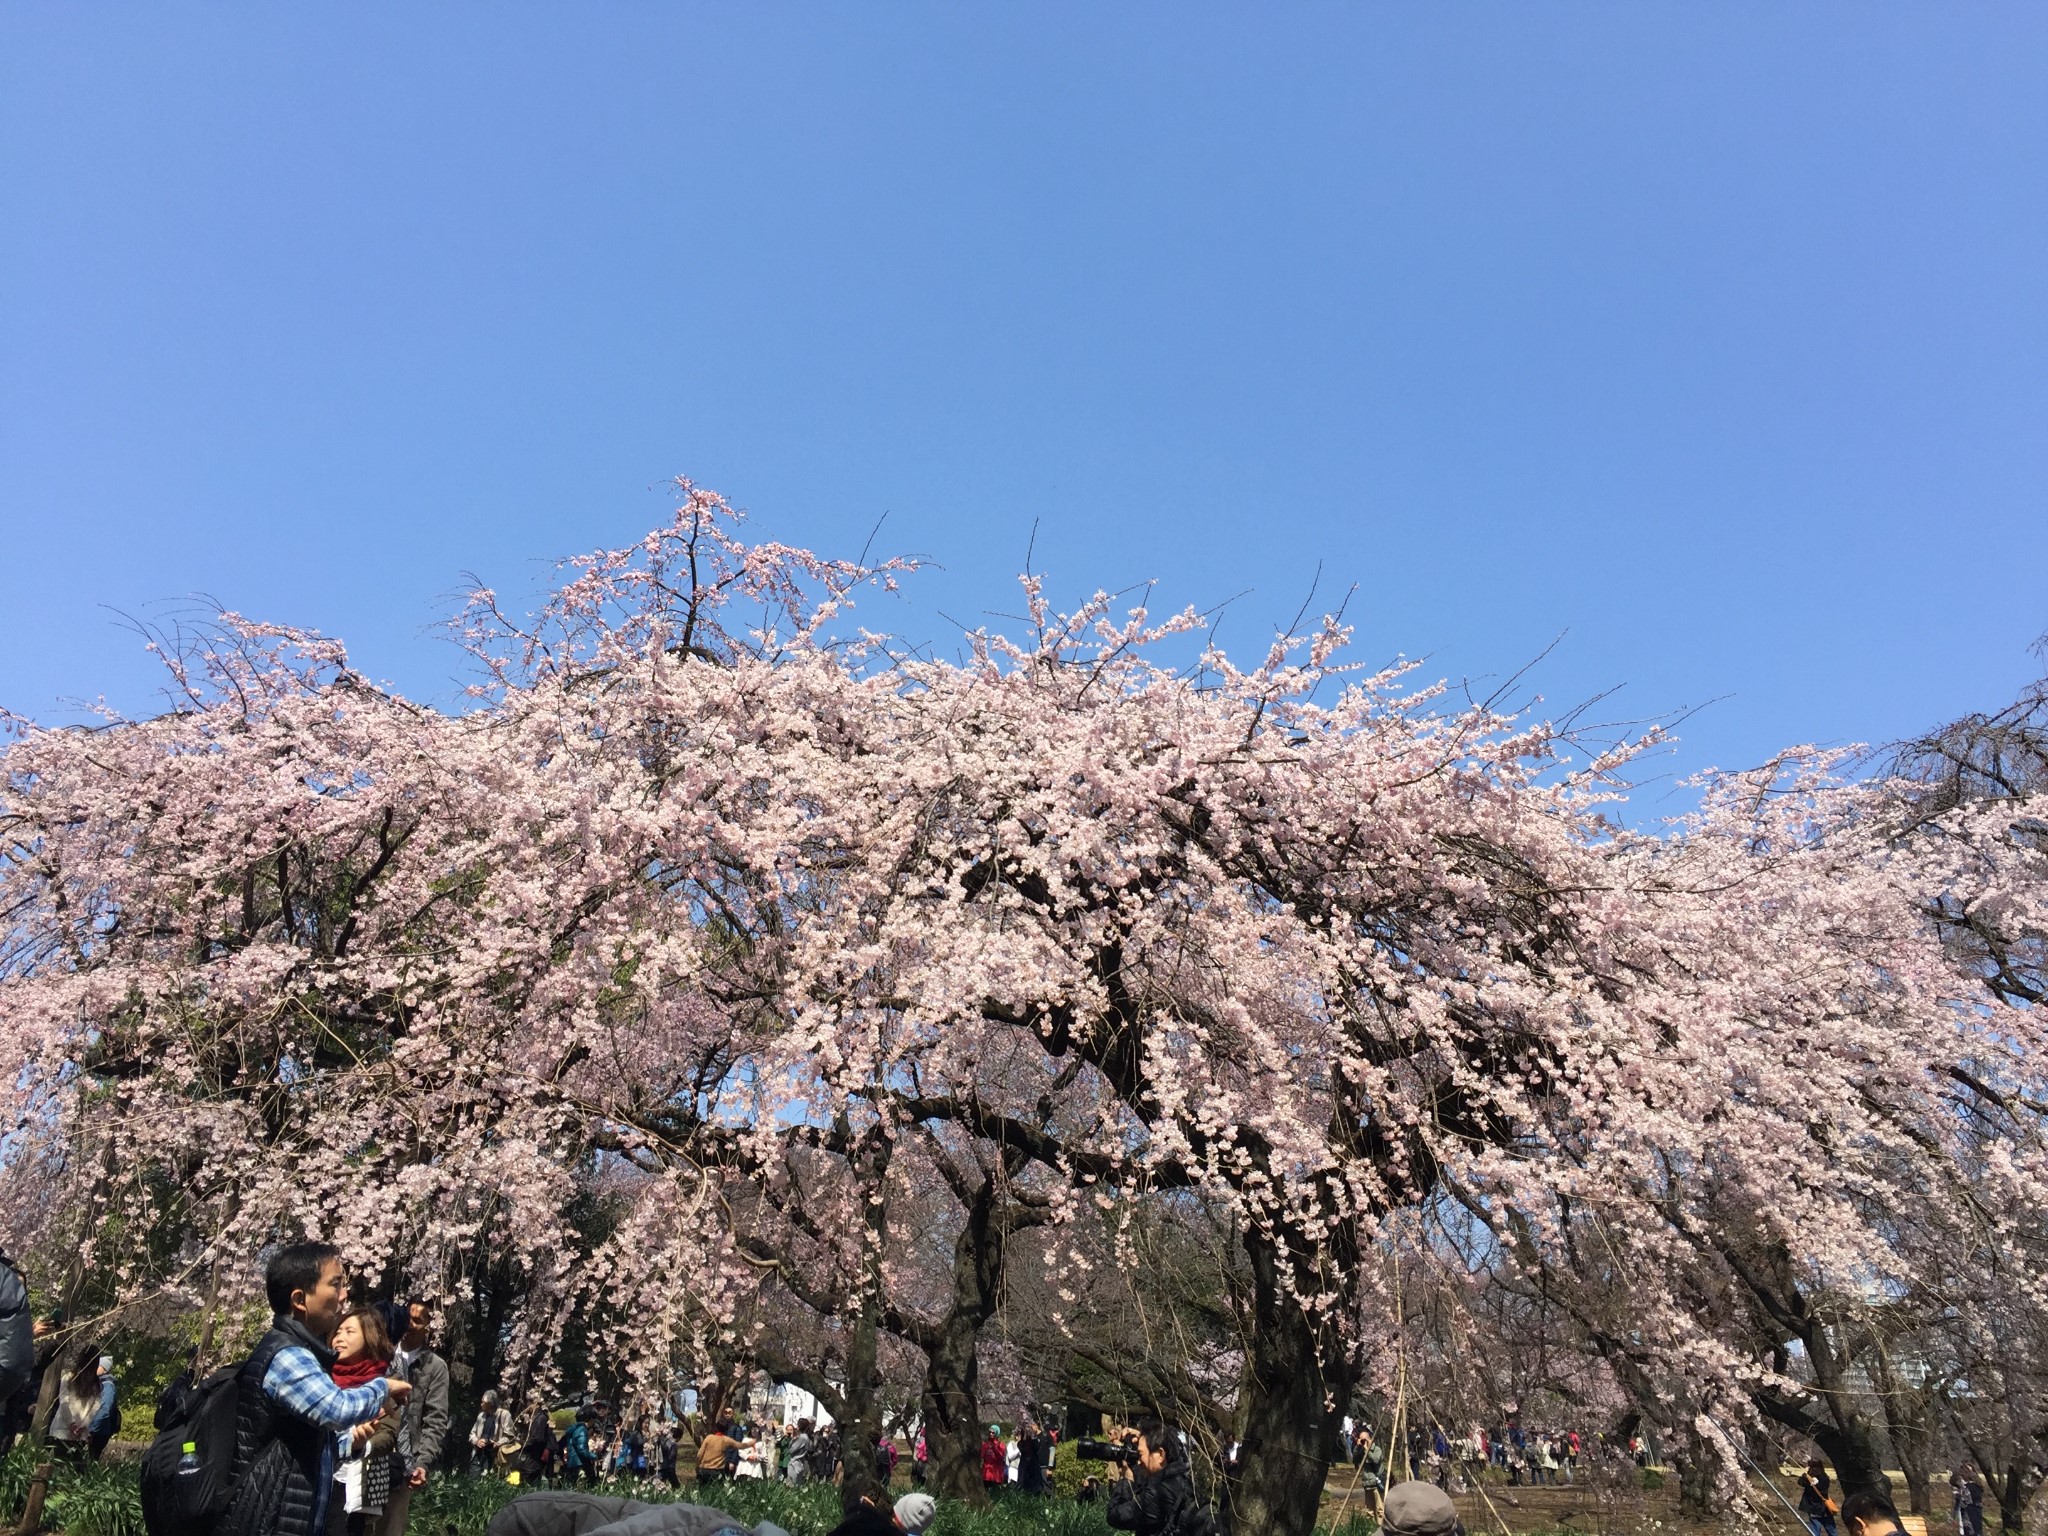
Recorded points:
(1420,1509)
(914,1513)
(994,1458)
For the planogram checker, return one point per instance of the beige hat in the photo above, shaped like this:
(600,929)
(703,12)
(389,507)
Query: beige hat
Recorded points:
(1419,1509)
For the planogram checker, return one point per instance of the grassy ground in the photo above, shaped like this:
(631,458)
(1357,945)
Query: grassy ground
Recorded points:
(104,1501)
(1612,1507)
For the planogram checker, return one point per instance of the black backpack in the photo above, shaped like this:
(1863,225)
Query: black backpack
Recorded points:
(208,1419)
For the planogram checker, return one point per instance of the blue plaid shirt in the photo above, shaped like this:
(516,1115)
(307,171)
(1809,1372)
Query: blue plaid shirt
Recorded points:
(297,1384)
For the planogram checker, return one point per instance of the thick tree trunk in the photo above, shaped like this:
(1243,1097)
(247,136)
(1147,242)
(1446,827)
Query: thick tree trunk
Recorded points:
(952,1410)
(2015,1493)
(1906,1426)
(1852,1451)
(861,1423)
(951,1399)
(1696,1468)
(1830,1418)
(1297,1383)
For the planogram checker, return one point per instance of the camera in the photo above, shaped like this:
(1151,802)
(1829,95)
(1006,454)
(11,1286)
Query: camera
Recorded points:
(1121,1452)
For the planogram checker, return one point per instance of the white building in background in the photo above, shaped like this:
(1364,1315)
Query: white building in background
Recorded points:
(785,1403)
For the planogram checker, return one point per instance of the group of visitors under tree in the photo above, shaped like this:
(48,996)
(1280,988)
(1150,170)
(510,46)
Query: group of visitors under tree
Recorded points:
(340,1411)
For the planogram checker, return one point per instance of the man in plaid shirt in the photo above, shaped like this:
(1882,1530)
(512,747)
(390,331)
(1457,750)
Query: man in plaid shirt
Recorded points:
(288,1436)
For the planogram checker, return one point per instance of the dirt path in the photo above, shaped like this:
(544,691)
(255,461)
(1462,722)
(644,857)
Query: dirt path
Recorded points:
(1615,1508)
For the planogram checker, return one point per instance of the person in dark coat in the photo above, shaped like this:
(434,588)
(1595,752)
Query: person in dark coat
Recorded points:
(539,1455)
(1031,1449)
(1815,1507)
(290,1409)
(1968,1487)
(17,1332)
(47,1338)
(1151,1498)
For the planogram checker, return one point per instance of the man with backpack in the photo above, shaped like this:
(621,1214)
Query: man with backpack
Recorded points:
(253,1451)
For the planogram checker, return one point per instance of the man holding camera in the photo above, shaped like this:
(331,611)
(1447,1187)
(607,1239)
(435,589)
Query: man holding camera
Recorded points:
(1153,1494)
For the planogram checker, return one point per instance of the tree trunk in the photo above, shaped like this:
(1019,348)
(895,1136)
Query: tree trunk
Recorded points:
(1297,1383)
(1853,1453)
(860,1425)
(2015,1493)
(1906,1426)
(951,1405)
(1833,1424)
(1696,1469)
(951,1400)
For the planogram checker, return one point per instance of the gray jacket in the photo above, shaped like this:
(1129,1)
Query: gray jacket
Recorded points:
(547,1513)
(583,1514)
(425,1424)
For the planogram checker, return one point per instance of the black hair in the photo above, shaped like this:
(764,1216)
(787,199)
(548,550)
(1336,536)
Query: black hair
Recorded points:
(1869,1505)
(295,1267)
(1155,1432)
(424,1303)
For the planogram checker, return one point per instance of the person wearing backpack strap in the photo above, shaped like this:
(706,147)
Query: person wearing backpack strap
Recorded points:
(290,1414)
(17,1331)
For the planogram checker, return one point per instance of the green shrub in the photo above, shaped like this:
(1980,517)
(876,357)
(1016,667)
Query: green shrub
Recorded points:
(1068,1471)
(1653,1479)
(103,1500)
(17,1469)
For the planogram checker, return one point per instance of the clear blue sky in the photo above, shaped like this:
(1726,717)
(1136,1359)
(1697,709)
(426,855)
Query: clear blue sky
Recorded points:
(1716,335)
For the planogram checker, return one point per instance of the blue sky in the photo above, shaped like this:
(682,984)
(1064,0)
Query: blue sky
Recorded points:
(1714,338)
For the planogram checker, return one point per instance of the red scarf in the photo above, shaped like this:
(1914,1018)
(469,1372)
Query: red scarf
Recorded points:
(359,1373)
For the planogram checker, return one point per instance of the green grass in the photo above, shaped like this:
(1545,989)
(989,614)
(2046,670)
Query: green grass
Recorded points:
(99,1500)
(468,1503)
(106,1500)
(102,1500)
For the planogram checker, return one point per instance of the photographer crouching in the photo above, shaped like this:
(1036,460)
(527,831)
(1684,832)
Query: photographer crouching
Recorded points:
(1153,1493)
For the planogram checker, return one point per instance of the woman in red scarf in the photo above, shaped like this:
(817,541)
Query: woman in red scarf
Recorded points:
(362,1347)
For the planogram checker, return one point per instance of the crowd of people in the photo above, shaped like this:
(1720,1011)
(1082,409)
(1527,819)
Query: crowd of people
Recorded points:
(346,1408)
(650,1445)
(1521,1455)
(595,1448)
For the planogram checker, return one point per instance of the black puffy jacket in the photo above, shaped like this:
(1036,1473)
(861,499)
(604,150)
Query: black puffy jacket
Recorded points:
(1156,1505)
